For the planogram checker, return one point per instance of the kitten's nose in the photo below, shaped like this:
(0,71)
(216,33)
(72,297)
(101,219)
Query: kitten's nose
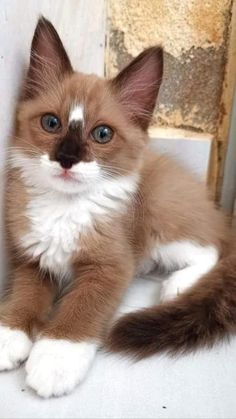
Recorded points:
(66,161)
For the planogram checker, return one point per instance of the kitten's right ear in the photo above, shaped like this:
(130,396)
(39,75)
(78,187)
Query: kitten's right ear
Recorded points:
(48,59)
(137,85)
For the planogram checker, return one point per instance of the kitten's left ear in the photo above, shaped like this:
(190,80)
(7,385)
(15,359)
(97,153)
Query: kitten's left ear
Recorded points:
(48,58)
(137,85)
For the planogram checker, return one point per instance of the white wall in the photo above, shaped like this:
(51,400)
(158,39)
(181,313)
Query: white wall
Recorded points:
(81,25)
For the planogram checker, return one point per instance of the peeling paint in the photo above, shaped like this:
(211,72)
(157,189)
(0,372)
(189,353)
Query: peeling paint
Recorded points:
(194,35)
(191,90)
(178,25)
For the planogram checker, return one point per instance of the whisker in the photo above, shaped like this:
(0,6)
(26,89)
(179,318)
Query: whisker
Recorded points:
(33,146)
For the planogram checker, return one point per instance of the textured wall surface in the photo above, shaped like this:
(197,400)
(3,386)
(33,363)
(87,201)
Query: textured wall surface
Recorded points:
(194,34)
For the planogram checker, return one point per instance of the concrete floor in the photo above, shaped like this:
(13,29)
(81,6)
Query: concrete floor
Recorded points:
(194,386)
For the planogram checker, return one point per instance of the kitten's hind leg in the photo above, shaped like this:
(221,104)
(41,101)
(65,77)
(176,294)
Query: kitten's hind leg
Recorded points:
(178,282)
(192,262)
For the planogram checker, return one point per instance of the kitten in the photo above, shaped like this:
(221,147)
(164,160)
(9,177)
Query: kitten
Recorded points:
(87,207)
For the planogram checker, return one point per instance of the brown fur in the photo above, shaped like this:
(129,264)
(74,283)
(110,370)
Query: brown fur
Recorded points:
(169,205)
(28,303)
(200,317)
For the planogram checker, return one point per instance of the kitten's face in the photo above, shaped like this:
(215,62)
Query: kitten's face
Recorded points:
(77,135)
(75,131)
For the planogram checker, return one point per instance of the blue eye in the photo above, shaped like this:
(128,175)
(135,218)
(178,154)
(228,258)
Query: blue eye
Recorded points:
(102,134)
(50,123)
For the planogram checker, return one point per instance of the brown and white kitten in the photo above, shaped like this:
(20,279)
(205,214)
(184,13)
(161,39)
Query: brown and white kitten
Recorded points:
(87,207)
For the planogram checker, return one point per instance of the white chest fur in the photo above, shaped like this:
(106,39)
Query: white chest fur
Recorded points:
(57,221)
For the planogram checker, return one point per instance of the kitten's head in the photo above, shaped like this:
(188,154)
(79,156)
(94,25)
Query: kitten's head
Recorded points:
(75,130)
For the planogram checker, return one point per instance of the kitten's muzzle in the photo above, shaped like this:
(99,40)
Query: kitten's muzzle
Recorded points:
(71,149)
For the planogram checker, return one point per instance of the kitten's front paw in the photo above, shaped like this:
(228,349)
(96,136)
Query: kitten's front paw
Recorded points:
(56,366)
(15,347)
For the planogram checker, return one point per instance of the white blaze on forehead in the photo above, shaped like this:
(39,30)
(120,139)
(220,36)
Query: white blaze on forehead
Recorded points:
(76,113)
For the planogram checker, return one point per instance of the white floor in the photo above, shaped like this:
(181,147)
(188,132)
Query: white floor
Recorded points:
(194,386)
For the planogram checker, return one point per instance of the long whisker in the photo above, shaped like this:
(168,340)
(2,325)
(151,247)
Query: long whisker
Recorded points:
(11,152)
(33,146)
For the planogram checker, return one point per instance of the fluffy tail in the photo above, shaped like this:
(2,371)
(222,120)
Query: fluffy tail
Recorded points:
(197,318)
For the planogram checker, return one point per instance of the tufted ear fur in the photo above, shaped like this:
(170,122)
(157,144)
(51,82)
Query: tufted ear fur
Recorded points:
(138,85)
(48,59)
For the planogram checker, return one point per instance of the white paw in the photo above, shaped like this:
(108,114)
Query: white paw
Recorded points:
(56,366)
(178,283)
(168,293)
(15,347)
(171,289)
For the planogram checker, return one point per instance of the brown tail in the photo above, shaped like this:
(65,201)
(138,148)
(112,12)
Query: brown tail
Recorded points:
(199,317)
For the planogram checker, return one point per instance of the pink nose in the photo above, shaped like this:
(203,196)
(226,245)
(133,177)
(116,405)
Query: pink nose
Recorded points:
(66,161)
